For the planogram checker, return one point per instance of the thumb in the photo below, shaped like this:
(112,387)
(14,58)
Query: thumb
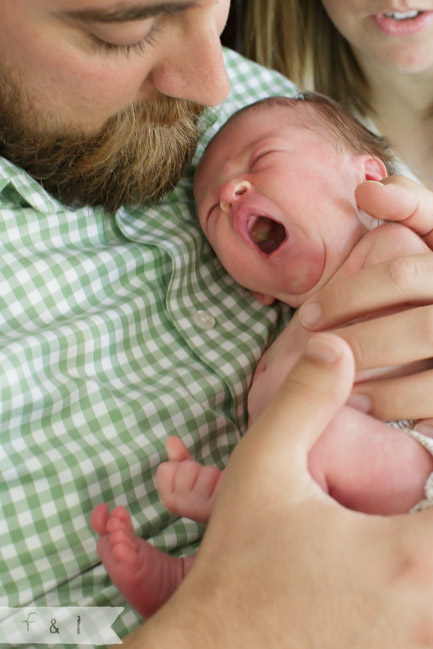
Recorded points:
(391,201)
(317,386)
(400,199)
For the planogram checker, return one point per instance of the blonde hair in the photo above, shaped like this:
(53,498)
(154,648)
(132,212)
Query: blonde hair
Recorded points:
(297,38)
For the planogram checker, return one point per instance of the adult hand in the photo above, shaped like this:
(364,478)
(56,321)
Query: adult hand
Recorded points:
(402,337)
(281,564)
(397,198)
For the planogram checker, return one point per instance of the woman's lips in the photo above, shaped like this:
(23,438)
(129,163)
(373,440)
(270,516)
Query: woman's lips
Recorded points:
(405,24)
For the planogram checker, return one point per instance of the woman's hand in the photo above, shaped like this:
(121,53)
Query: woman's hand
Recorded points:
(283,565)
(403,337)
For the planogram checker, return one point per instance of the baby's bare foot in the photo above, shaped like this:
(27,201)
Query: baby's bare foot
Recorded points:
(144,575)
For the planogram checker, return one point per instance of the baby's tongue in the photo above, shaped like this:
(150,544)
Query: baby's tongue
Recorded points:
(267,234)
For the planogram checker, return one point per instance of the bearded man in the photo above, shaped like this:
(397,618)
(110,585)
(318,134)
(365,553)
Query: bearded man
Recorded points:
(105,345)
(86,105)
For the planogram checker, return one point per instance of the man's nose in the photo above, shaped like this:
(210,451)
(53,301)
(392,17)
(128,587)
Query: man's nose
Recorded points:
(194,68)
(231,192)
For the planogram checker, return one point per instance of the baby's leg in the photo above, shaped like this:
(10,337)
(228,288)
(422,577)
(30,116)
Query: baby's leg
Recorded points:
(370,466)
(145,576)
(186,487)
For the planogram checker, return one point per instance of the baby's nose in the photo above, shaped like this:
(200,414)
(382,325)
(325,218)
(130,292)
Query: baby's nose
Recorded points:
(231,191)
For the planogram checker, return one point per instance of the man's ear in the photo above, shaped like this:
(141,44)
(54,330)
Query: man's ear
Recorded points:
(374,168)
(267,300)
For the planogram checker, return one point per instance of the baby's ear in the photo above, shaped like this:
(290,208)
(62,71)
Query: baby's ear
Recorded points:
(374,168)
(267,300)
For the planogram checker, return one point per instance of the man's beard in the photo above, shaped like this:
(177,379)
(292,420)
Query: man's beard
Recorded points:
(136,157)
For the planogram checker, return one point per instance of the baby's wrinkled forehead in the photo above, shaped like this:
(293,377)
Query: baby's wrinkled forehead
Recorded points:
(226,132)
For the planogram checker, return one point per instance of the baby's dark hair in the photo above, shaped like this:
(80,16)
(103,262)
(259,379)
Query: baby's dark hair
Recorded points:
(344,129)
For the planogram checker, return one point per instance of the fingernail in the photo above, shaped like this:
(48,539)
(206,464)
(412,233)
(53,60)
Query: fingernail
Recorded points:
(424,430)
(360,402)
(309,314)
(322,350)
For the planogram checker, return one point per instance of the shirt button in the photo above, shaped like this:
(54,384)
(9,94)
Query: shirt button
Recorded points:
(203,320)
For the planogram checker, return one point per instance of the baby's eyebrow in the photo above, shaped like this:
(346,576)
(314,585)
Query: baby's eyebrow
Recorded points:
(124,12)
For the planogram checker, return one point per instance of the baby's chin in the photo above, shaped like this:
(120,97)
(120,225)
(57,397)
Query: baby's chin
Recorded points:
(300,278)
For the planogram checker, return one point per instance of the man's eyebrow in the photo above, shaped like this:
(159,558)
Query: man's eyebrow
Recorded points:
(125,12)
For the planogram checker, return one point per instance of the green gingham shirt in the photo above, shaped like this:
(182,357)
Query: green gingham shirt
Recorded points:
(114,334)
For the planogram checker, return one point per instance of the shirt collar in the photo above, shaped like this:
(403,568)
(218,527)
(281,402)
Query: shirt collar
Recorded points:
(27,188)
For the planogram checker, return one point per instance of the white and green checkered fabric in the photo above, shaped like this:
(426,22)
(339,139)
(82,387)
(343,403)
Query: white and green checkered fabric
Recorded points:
(114,334)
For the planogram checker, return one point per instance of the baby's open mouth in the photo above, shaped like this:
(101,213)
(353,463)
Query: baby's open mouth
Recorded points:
(266,234)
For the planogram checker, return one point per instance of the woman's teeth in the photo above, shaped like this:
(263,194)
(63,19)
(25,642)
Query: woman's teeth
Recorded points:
(402,15)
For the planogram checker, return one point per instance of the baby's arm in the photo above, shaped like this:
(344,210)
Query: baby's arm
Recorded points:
(369,466)
(363,463)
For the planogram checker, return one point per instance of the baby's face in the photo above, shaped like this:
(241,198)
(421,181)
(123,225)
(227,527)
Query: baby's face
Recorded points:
(271,196)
